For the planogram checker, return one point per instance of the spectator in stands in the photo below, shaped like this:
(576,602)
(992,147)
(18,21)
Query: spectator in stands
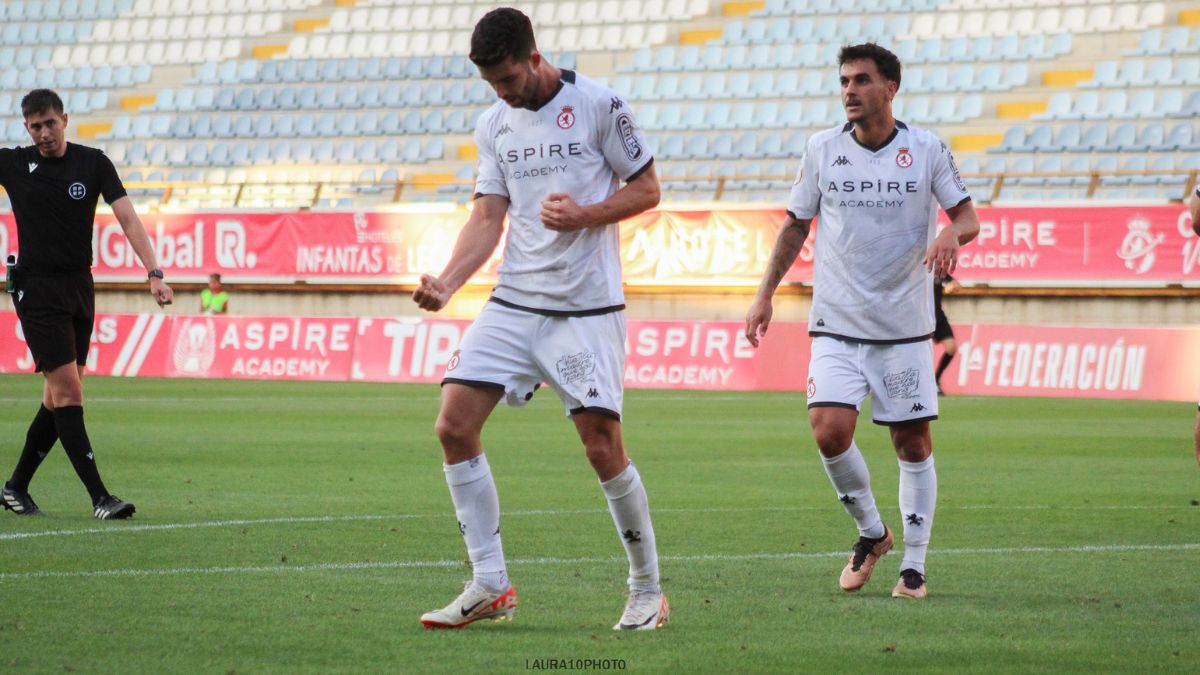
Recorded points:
(53,186)
(873,182)
(943,334)
(214,299)
(552,156)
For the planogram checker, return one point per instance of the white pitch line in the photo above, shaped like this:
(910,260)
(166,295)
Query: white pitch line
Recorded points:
(535,562)
(123,529)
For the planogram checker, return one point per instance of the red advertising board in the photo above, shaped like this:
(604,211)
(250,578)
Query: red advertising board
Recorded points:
(994,359)
(260,347)
(1105,245)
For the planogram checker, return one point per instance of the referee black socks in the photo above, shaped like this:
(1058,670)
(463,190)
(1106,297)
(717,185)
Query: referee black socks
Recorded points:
(72,433)
(38,440)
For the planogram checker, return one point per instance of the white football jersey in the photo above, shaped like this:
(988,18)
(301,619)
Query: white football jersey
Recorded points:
(877,217)
(583,142)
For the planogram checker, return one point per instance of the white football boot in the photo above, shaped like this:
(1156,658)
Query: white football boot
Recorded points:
(473,604)
(645,610)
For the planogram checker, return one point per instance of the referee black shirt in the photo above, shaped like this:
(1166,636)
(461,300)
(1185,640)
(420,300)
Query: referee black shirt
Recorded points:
(54,203)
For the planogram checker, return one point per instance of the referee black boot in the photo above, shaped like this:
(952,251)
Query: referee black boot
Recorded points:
(110,507)
(19,503)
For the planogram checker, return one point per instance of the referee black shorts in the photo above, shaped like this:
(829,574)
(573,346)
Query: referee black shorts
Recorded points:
(942,329)
(57,314)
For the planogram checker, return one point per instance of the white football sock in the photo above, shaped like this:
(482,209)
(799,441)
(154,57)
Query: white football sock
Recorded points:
(918,498)
(478,509)
(631,513)
(850,477)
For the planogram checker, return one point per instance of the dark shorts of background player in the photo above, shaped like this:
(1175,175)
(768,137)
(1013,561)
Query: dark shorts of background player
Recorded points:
(57,314)
(942,331)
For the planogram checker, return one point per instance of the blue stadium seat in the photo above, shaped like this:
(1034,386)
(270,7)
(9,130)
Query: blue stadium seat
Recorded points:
(772,145)
(696,147)
(722,147)
(434,122)
(671,147)
(692,86)
(264,126)
(768,115)
(1179,138)
(1123,138)
(717,116)
(243,126)
(1095,137)
(1066,138)
(412,122)
(285,126)
(746,146)
(306,125)
(181,127)
(795,144)
(678,118)
(391,124)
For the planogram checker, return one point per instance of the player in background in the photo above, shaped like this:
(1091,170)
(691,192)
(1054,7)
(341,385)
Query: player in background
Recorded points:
(1195,209)
(54,186)
(873,183)
(943,333)
(552,156)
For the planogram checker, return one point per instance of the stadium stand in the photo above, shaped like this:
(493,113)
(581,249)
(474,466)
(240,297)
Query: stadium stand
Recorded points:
(316,104)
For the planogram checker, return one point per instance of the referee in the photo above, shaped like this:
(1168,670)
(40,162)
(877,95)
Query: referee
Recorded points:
(53,187)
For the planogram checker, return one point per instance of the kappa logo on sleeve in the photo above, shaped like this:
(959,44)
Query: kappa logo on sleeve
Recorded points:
(628,132)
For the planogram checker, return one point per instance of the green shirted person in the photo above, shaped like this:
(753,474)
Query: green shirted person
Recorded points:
(214,299)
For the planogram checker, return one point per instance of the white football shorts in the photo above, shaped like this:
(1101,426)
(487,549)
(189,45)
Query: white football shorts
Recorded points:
(898,376)
(581,357)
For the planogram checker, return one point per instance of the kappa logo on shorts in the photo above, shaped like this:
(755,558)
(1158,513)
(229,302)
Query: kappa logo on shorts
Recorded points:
(77,190)
(592,393)
(903,384)
(576,367)
(917,407)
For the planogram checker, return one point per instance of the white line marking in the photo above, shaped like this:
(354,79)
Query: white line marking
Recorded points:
(122,529)
(144,346)
(426,564)
(131,342)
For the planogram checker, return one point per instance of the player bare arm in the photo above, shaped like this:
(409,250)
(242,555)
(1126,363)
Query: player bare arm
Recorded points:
(942,256)
(135,232)
(561,213)
(475,244)
(783,254)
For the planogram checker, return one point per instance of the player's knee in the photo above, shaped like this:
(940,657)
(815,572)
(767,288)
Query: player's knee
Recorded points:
(832,443)
(453,433)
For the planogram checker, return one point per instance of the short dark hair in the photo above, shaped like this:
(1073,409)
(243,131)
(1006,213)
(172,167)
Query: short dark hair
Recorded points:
(39,101)
(502,34)
(214,277)
(887,62)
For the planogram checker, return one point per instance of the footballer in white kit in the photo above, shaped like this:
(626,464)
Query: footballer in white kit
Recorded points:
(564,158)
(875,185)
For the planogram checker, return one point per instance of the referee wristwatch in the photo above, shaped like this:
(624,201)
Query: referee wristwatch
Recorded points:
(154,274)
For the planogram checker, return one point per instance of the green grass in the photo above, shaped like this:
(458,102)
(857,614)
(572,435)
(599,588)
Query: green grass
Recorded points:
(750,534)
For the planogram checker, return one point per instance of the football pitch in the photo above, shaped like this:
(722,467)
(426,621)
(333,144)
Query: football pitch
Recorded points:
(304,527)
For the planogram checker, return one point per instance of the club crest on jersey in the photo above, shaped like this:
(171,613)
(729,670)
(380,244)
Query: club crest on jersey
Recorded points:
(454,360)
(904,158)
(566,118)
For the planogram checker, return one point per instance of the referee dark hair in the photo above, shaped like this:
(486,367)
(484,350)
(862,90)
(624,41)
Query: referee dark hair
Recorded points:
(53,186)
